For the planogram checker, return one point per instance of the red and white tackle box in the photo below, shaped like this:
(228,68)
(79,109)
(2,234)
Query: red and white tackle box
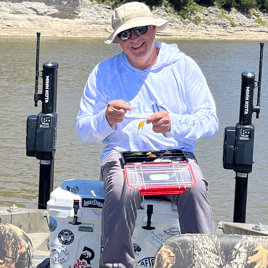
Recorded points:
(158,172)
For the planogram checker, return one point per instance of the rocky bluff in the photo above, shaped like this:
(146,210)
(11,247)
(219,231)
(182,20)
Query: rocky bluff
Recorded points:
(93,13)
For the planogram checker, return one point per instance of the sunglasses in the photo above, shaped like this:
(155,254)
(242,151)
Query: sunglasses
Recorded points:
(125,35)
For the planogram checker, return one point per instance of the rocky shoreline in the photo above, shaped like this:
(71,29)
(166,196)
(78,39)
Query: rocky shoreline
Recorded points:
(83,18)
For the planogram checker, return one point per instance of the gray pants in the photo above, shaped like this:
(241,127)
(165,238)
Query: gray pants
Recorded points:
(120,212)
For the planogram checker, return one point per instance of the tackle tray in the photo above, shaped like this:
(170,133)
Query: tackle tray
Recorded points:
(158,172)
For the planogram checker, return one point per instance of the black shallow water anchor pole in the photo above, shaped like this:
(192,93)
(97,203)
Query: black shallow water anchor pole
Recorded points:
(239,141)
(244,142)
(42,129)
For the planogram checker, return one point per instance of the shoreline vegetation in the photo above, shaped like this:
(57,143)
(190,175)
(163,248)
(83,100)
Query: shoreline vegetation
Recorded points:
(92,19)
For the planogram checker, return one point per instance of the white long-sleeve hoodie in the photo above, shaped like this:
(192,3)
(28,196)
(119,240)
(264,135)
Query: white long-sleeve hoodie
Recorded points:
(175,84)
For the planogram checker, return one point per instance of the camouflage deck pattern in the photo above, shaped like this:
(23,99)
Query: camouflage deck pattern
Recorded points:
(223,251)
(16,250)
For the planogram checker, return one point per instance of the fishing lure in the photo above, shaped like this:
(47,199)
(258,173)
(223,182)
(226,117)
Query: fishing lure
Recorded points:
(141,125)
(135,117)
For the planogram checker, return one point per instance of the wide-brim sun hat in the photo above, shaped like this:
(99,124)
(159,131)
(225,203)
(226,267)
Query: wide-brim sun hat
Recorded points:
(131,15)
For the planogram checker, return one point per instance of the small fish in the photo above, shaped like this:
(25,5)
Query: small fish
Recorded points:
(135,117)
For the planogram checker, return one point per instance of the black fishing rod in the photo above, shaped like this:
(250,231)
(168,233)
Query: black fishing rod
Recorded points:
(239,140)
(42,128)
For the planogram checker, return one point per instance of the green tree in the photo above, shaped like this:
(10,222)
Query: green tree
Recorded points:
(205,2)
(180,4)
(227,4)
(152,3)
(246,5)
(263,5)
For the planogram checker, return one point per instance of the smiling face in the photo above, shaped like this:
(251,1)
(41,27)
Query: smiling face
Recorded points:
(141,50)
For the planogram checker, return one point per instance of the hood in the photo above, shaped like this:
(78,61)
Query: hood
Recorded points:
(169,53)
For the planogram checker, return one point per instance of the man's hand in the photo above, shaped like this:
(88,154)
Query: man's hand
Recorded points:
(116,111)
(161,122)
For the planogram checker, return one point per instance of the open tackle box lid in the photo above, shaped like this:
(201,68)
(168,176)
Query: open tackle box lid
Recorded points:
(158,172)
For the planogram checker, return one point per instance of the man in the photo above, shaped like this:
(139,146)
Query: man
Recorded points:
(157,81)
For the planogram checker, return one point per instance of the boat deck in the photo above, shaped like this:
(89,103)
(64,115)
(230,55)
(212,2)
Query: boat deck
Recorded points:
(35,223)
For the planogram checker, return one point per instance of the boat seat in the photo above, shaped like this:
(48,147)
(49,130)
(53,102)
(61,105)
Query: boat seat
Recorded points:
(203,250)
(16,248)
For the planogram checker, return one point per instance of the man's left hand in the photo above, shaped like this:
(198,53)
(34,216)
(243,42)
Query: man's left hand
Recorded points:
(161,122)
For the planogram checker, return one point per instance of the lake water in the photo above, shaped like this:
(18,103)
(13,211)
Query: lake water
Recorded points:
(221,62)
